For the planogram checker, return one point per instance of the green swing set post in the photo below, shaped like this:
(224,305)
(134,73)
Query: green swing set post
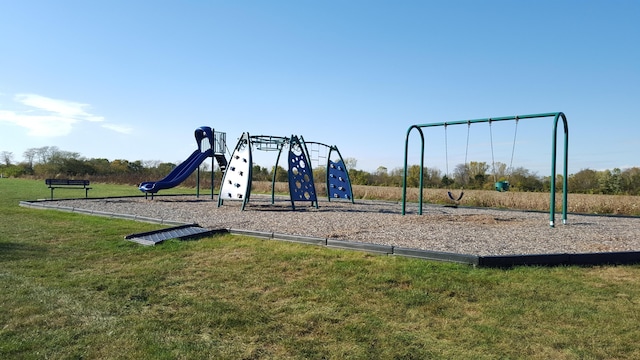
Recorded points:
(557,116)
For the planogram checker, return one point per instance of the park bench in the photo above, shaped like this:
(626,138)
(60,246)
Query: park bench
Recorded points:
(68,184)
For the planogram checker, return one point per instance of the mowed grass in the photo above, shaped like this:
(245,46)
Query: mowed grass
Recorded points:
(71,287)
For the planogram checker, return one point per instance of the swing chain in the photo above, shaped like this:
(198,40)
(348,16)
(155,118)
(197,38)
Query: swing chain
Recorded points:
(513,149)
(493,162)
(466,153)
(446,154)
(446,150)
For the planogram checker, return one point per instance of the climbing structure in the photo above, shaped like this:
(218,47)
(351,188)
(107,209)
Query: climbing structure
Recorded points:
(338,182)
(236,183)
(301,185)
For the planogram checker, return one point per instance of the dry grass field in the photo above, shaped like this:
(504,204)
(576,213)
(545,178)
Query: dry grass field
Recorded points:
(577,203)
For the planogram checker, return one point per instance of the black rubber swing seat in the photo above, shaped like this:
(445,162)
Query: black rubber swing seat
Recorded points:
(453,197)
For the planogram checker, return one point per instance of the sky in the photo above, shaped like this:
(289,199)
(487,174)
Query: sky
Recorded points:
(134,79)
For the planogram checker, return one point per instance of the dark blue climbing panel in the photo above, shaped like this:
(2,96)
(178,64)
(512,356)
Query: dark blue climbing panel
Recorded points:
(301,185)
(339,186)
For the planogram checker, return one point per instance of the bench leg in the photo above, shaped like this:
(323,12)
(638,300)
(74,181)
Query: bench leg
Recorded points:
(51,193)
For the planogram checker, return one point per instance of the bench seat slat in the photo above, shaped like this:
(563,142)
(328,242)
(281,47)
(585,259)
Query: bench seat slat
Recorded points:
(67,182)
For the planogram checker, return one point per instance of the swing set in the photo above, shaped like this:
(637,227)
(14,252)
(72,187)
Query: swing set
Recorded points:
(500,185)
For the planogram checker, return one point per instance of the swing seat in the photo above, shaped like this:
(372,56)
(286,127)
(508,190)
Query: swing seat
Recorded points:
(502,186)
(453,197)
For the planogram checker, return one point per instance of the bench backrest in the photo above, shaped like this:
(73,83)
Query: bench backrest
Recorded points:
(70,182)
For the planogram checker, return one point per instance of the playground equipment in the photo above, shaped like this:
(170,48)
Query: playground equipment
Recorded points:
(503,185)
(338,181)
(452,197)
(301,185)
(236,183)
(500,185)
(211,144)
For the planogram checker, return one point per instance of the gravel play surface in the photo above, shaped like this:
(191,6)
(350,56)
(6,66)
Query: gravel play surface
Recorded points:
(460,230)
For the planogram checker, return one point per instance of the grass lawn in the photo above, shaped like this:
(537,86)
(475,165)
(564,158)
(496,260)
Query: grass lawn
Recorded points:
(72,287)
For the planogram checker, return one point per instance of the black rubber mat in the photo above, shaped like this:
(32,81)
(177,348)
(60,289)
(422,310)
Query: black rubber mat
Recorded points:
(182,232)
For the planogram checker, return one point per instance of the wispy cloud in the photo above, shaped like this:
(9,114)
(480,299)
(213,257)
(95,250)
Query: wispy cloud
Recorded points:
(40,125)
(123,129)
(62,108)
(47,117)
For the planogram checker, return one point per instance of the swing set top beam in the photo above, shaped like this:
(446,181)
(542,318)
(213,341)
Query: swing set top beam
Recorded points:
(502,118)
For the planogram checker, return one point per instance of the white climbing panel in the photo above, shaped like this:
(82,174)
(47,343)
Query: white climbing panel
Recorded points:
(236,183)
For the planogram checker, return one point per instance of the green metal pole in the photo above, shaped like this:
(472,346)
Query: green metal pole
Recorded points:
(273,179)
(552,200)
(404,178)
(198,182)
(493,119)
(565,182)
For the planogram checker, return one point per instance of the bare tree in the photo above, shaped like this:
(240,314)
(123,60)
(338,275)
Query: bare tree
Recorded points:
(461,174)
(350,163)
(150,164)
(6,157)
(29,155)
(500,170)
(45,153)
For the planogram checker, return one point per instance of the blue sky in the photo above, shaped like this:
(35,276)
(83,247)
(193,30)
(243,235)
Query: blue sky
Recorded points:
(134,79)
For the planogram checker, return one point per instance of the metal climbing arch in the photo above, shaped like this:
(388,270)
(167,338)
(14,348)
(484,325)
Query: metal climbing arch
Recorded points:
(236,183)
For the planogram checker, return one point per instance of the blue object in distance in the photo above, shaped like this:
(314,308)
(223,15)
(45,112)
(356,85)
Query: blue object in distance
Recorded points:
(182,171)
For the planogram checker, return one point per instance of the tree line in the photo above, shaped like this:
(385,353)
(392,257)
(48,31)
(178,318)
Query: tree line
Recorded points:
(50,161)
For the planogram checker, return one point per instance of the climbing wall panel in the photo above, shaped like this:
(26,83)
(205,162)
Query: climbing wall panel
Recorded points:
(236,183)
(301,185)
(339,186)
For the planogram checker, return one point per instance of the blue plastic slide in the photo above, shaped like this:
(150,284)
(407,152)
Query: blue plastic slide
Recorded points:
(182,171)
(177,175)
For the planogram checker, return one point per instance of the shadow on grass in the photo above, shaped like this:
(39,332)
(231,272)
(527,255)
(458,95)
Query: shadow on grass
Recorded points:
(18,251)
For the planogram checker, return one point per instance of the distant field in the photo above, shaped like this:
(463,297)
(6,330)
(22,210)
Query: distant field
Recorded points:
(73,288)
(38,190)
(578,203)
